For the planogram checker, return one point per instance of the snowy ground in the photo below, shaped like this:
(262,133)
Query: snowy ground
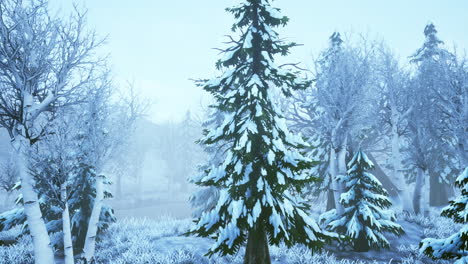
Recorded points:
(144,240)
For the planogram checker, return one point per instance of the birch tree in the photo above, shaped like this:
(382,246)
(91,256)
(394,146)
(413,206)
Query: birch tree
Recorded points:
(44,63)
(54,163)
(395,106)
(104,130)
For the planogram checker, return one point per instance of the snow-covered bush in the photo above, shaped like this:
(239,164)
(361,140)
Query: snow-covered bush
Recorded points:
(366,216)
(456,245)
(18,253)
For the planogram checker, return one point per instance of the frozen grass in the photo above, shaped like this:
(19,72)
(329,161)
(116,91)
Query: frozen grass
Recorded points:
(160,241)
(19,253)
(434,225)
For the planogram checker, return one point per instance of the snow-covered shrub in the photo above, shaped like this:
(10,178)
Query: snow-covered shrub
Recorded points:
(366,216)
(456,245)
(135,238)
(18,253)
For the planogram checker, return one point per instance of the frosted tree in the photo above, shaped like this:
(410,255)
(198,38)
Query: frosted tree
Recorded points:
(54,163)
(455,246)
(334,108)
(264,165)
(304,116)
(64,184)
(101,132)
(451,102)
(44,64)
(395,106)
(205,199)
(366,215)
(424,146)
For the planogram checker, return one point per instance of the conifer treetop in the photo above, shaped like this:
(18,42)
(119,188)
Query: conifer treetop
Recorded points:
(431,47)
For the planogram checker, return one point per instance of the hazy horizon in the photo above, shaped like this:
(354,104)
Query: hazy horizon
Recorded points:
(162,45)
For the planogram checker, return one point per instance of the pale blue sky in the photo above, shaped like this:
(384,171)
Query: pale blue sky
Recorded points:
(162,44)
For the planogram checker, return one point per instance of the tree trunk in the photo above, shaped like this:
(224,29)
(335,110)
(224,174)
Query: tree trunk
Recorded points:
(361,244)
(256,251)
(119,186)
(90,242)
(418,191)
(425,206)
(43,253)
(398,177)
(67,239)
(462,156)
(342,167)
(421,193)
(438,191)
(336,188)
(330,200)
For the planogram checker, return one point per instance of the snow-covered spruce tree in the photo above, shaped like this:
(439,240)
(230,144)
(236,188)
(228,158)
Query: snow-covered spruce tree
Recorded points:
(81,203)
(455,246)
(366,215)
(264,163)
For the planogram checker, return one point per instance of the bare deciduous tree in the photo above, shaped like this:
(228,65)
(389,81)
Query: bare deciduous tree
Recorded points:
(45,63)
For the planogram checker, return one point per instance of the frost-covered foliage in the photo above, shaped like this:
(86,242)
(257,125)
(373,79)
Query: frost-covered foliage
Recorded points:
(456,245)
(160,241)
(134,240)
(65,176)
(19,253)
(336,109)
(81,196)
(366,215)
(432,146)
(264,163)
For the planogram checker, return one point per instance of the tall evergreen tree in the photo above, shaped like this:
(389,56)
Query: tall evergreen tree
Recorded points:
(455,246)
(366,216)
(264,164)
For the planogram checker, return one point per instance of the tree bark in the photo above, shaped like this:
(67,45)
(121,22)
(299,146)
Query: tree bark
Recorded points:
(462,156)
(67,238)
(256,251)
(90,242)
(438,191)
(334,183)
(418,191)
(43,253)
(425,207)
(119,186)
(361,244)
(330,200)
(398,177)
(342,165)
(421,193)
